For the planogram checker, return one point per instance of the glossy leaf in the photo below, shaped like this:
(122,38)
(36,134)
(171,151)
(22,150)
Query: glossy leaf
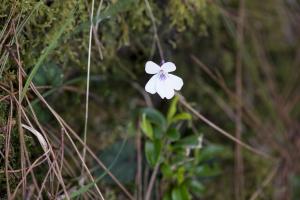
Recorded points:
(182,116)
(180,193)
(152,150)
(167,171)
(155,117)
(180,174)
(147,127)
(173,134)
(172,109)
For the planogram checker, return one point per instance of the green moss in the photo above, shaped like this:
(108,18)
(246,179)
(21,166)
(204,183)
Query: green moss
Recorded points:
(187,14)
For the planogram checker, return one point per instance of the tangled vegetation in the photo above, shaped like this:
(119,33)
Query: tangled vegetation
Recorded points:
(231,133)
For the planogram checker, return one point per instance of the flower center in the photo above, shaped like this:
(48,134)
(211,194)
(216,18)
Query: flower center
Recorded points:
(162,75)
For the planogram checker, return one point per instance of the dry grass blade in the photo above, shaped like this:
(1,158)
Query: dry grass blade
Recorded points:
(268,179)
(7,146)
(239,163)
(42,158)
(39,136)
(88,83)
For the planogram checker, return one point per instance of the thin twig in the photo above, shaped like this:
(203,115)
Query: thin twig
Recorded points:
(269,178)
(152,180)
(139,165)
(156,38)
(239,164)
(220,130)
(7,147)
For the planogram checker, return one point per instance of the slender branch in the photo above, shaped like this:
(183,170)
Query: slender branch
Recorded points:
(220,130)
(152,180)
(239,165)
(269,178)
(139,165)
(156,38)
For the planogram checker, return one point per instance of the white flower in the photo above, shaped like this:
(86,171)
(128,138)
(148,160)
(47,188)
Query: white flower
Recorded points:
(162,82)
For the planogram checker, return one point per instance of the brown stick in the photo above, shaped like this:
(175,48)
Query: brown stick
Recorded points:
(239,164)
(151,183)
(139,165)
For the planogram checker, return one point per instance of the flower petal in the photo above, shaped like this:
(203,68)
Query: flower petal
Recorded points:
(151,67)
(164,89)
(168,67)
(174,82)
(151,85)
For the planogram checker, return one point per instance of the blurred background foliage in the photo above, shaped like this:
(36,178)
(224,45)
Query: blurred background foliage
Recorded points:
(139,137)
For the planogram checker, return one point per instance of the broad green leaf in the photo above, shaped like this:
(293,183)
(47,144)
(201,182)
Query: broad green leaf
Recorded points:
(87,187)
(124,167)
(49,74)
(295,184)
(131,129)
(158,133)
(173,134)
(196,187)
(207,170)
(147,127)
(180,175)
(155,117)
(182,116)
(167,171)
(180,193)
(176,194)
(172,109)
(213,151)
(167,196)
(188,141)
(152,150)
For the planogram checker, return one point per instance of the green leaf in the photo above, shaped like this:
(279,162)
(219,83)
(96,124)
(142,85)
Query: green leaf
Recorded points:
(116,8)
(155,117)
(212,151)
(147,127)
(180,174)
(167,171)
(172,109)
(167,196)
(180,193)
(173,134)
(152,150)
(295,183)
(188,141)
(158,133)
(131,129)
(182,116)
(208,170)
(83,189)
(49,74)
(124,167)
(196,187)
